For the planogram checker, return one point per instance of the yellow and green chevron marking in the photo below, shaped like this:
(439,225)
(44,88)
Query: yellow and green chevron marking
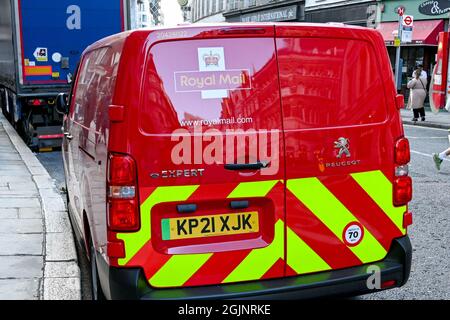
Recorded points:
(302,258)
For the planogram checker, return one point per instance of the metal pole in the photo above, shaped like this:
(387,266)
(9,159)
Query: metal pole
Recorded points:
(398,70)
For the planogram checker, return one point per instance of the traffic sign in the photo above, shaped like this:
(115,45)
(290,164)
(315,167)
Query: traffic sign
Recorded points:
(407,34)
(400,10)
(408,21)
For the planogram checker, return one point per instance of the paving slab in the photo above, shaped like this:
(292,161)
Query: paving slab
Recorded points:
(30,213)
(19,202)
(19,289)
(62,288)
(20,267)
(21,226)
(21,244)
(57,222)
(58,248)
(61,269)
(9,214)
(53,204)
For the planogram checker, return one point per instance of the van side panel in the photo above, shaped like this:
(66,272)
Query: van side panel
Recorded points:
(90,126)
(340,135)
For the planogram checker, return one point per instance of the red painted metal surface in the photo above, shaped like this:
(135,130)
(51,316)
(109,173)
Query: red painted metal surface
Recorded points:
(308,84)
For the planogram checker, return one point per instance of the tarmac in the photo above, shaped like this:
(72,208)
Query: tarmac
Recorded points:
(38,260)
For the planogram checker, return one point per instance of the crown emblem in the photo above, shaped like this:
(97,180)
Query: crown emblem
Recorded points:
(211,59)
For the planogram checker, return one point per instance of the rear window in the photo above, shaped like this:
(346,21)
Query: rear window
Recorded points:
(330,82)
(211,83)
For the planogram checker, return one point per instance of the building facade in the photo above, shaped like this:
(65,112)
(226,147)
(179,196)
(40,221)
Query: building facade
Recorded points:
(265,10)
(144,13)
(430,18)
(207,10)
(355,12)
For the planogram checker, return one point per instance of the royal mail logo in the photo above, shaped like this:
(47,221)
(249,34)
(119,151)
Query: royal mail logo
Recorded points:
(212,79)
(192,81)
(211,59)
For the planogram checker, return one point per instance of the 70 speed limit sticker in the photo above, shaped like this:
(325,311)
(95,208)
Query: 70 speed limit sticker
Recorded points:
(353,234)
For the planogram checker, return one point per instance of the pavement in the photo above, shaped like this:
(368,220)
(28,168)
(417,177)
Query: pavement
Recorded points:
(38,260)
(440,120)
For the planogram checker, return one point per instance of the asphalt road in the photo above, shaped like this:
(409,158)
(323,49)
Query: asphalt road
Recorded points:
(430,232)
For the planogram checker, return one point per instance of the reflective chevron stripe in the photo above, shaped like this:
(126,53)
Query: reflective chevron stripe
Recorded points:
(316,197)
(256,264)
(178,269)
(252,189)
(379,188)
(300,257)
(297,250)
(135,241)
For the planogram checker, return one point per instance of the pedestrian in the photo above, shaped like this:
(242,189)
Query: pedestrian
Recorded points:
(417,96)
(423,73)
(439,157)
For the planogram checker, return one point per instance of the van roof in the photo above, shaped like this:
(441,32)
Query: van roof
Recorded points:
(338,29)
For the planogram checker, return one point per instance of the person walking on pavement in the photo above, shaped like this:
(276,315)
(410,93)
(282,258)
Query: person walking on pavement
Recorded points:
(439,157)
(423,73)
(418,94)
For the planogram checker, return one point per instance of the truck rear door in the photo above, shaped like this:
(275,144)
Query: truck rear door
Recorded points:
(53,34)
(210,159)
(339,139)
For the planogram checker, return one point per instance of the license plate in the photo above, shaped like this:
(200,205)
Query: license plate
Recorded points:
(210,225)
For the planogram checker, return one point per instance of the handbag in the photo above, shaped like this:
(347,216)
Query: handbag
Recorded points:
(408,104)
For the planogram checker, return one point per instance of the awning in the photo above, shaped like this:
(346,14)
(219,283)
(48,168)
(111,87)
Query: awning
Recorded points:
(425,32)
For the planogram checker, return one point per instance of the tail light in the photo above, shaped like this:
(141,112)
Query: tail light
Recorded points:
(123,203)
(36,102)
(402,188)
(402,154)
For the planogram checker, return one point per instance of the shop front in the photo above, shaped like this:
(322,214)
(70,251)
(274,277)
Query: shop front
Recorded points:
(266,11)
(428,22)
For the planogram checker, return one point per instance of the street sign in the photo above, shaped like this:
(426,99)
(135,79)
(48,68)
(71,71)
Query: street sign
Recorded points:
(400,10)
(407,34)
(408,21)
(397,42)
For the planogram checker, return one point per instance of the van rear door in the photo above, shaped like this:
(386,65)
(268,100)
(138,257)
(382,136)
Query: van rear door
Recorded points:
(339,134)
(210,161)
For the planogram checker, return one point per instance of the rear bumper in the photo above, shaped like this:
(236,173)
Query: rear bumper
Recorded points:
(121,283)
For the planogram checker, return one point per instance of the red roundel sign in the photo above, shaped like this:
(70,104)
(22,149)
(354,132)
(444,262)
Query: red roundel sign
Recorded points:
(353,234)
(408,20)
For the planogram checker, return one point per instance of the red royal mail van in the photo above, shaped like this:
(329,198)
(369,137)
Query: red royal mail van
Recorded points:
(238,160)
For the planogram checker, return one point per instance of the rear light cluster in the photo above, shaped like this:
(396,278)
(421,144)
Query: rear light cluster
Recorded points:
(36,102)
(123,203)
(402,189)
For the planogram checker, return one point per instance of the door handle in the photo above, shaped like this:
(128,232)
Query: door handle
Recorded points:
(68,135)
(247,166)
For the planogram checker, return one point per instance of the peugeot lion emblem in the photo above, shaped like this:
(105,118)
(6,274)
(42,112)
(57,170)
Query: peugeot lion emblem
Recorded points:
(343,145)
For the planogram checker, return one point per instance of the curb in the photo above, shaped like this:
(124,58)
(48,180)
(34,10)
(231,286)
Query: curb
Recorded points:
(61,274)
(427,124)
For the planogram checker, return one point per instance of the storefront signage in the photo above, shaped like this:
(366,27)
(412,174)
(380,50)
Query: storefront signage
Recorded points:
(278,14)
(434,7)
